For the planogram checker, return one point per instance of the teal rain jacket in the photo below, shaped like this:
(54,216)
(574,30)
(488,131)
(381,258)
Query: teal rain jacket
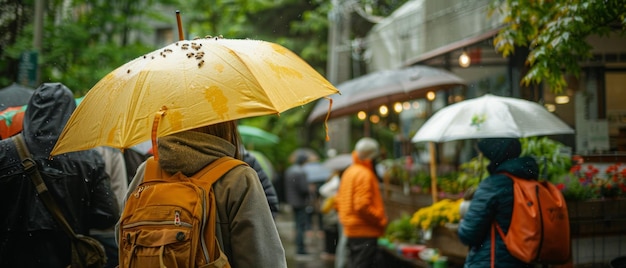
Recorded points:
(493,200)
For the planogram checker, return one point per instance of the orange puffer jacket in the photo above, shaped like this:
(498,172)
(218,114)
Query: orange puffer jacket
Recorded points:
(359,201)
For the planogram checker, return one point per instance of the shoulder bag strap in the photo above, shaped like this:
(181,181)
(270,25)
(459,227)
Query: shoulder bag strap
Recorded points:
(30,168)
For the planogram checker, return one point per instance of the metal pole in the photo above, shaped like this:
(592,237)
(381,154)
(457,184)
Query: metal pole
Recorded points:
(334,19)
(38,35)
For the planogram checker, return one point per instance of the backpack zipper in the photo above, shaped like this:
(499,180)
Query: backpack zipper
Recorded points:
(140,223)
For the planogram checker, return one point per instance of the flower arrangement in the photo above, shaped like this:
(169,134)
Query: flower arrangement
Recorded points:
(586,181)
(438,214)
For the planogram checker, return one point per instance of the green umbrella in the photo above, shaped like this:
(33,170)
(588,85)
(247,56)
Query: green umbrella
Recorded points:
(254,136)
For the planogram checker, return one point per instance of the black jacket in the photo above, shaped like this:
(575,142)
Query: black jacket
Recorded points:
(29,235)
(268,187)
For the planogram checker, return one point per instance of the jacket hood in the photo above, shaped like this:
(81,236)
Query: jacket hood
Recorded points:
(499,150)
(48,110)
(190,151)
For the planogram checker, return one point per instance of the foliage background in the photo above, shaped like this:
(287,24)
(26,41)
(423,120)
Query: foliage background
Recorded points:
(86,39)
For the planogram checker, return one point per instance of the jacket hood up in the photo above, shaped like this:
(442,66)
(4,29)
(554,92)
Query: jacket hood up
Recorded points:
(499,150)
(48,110)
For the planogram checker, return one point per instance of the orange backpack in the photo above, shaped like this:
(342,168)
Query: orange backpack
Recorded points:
(169,220)
(539,232)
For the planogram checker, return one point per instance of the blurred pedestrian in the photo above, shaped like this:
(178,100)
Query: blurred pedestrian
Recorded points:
(360,206)
(493,201)
(246,231)
(77,181)
(330,219)
(115,167)
(298,197)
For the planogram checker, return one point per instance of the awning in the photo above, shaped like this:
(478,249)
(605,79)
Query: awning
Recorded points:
(421,30)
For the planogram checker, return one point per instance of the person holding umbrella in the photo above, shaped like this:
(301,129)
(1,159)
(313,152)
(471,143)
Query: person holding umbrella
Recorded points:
(247,232)
(493,201)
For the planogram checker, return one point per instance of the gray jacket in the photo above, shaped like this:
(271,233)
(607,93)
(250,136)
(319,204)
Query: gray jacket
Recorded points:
(296,186)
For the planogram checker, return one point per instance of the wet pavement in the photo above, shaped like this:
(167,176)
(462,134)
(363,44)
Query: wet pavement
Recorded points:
(314,241)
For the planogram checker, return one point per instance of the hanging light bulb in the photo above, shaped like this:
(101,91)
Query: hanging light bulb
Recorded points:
(361,115)
(383,110)
(464,59)
(397,107)
(430,95)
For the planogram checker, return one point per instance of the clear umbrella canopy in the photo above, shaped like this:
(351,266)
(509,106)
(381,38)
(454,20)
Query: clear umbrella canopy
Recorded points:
(491,116)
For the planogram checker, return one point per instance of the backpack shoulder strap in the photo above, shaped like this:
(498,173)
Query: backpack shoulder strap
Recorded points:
(205,178)
(217,169)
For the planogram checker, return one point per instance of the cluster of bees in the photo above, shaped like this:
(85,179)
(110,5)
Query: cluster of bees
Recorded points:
(195,46)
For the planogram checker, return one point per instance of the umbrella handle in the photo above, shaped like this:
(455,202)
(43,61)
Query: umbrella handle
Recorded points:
(155,128)
(330,106)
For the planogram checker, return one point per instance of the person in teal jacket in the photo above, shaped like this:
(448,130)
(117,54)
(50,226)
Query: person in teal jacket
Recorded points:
(493,200)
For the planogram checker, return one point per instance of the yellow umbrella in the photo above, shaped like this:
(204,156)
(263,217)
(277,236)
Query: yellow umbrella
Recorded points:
(189,84)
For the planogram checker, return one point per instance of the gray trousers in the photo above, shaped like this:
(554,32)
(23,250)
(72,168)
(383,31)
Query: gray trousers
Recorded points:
(341,252)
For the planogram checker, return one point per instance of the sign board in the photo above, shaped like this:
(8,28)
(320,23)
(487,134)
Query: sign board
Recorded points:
(27,69)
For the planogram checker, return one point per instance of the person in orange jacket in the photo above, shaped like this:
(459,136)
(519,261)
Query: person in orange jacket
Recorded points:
(360,206)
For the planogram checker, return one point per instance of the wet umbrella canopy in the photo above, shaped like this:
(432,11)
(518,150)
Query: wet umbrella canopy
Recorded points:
(490,116)
(189,84)
(384,87)
(14,95)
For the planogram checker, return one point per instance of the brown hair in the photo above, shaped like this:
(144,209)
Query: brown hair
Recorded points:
(225,130)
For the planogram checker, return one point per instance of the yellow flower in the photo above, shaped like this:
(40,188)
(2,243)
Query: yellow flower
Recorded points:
(439,213)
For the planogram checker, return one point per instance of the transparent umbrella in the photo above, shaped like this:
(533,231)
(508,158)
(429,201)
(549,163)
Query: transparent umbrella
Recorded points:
(488,116)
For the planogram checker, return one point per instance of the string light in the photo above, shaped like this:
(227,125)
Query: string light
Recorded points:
(397,107)
(430,95)
(464,60)
(383,110)
(361,115)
